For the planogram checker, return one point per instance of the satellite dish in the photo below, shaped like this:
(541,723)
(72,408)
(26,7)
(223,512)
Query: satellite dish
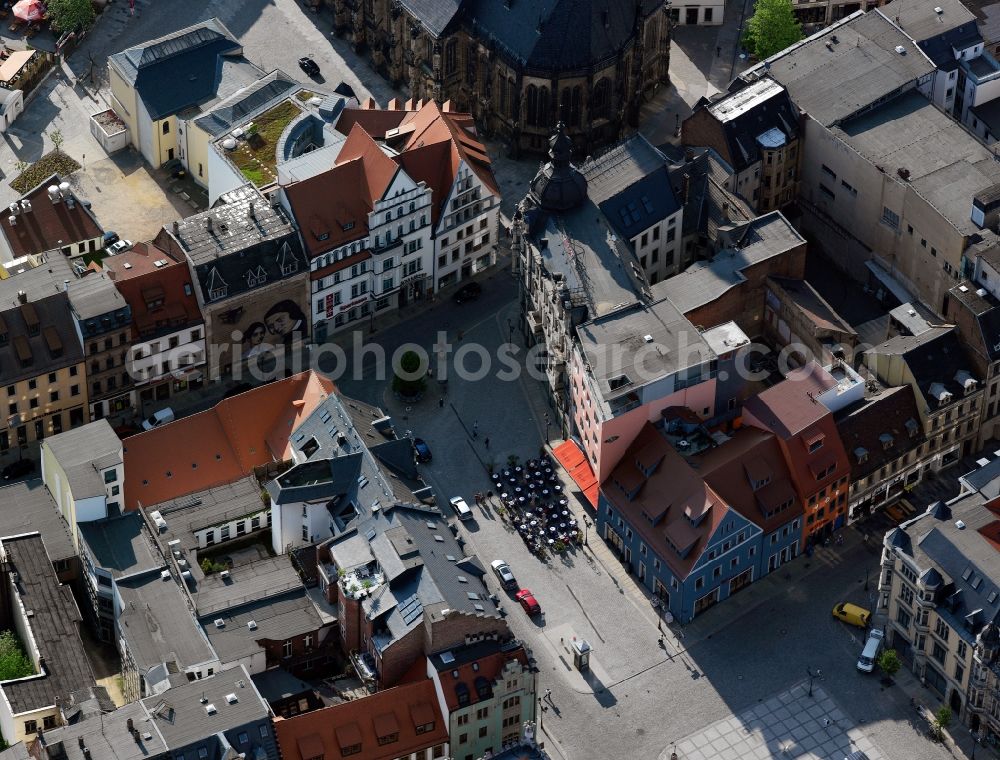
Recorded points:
(229,143)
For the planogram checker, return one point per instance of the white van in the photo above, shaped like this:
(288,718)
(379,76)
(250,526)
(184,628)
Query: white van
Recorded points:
(161,417)
(866,663)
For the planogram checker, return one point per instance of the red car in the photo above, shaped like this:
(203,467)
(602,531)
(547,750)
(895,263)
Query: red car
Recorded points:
(528,602)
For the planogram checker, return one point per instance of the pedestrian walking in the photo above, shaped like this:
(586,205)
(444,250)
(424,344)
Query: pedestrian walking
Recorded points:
(441,403)
(718,51)
(486,442)
(548,694)
(475,429)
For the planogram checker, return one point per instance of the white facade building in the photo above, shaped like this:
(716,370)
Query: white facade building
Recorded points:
(466,237)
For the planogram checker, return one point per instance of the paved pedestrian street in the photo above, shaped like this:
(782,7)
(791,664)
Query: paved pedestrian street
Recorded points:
(790,724)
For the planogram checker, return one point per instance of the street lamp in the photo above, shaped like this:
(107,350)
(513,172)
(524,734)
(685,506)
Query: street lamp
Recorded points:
(546,427)
(586,530)
(812,676)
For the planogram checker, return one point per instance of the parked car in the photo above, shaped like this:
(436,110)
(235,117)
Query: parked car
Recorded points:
(161,417)
(422,449)
(502,571)
(528,602)
(866,662)
(852,614)
(119,247)
(110,236)
(468,292)
(18,469)
(309,66)
(461,508)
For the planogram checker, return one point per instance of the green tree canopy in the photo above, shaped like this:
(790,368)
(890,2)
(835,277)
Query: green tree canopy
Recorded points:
(14,663)
(70,15)
(889,662)
(772,28)
(409,380)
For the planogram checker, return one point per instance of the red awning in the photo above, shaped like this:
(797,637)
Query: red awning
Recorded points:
(574,461)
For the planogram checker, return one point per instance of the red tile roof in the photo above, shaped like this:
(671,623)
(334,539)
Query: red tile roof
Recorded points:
(48,225)
(789,407)
(332,208)
(220,445)
(666,497)
(396,712)
(489,666)
(752,455)
(141,282)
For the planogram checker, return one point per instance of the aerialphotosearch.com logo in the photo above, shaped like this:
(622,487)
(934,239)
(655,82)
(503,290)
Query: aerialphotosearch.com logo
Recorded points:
(630,363)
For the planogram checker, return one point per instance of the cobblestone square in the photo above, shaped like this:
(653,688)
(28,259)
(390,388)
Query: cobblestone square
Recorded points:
(789,724)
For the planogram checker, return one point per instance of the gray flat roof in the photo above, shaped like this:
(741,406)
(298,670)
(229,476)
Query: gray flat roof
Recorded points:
(246,583)
(947,165)
(55,625)
(95,295)
(861,67)
(232,228)
(28,506)
(107,738)
(121,545)
(756,241)
(158,625)
(920,19)
(642,343)
(203,509)
(277,618)
(183,719)
(80,451)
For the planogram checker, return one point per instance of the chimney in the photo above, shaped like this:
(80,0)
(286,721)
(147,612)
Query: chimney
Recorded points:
(130,725)
(177,227)
(66,285)
(208,223)
(253,214)
(687,187)
(22,297)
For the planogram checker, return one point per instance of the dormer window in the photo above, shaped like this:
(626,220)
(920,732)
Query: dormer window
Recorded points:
(814,442)
(912,428)
(886,440)
(861,454)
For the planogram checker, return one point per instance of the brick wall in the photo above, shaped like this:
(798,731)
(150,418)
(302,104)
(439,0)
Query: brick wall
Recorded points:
(701,129)
(745,303)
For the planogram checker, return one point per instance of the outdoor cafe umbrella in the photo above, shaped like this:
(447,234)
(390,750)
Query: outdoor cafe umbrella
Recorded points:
(29,10)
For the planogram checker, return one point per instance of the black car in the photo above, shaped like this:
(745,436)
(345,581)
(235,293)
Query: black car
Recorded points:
(18,469)
(469,292)
(309,66)
(422,449)
(110,237)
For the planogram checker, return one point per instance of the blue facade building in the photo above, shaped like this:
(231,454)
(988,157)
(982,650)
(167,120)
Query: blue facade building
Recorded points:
(696,527)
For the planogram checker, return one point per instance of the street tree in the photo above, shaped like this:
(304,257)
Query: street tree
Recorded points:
(408,380)
(772,28)
(56,136)
(70,15)
(942,719)
(889,662)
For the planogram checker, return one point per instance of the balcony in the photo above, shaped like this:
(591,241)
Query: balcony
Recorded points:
(534,319)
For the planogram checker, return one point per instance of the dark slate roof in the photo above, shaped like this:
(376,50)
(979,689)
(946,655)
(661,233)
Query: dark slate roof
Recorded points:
(192,72)
(934,360)
(55,626)
(750,115)
(935,33)
(986,312)
(535,33)
(277,618)
(433,14)
(329,479)
(641,205)
(277,684)
(248,102)
(892,412)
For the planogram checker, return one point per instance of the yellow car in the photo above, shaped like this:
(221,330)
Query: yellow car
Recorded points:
(852,614)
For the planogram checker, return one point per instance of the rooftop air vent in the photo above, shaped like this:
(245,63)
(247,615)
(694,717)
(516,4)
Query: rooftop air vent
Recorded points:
(232,699)
(900,49)
(252,625)
(981,292)
(647,338)
(210,709)
(938,10)
(165,575)
(224,575)
(959,524)
(220,623)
